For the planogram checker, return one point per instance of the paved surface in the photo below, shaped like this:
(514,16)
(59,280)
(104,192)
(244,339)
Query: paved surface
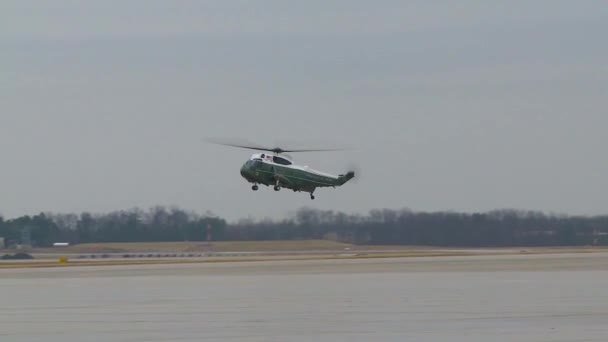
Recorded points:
(537,298)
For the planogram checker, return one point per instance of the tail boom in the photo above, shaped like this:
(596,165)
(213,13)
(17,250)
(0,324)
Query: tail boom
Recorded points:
(342,179)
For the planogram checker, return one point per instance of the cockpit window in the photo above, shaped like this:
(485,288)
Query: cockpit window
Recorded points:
(281,161)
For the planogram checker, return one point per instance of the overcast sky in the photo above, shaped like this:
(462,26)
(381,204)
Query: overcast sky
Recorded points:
(450,105)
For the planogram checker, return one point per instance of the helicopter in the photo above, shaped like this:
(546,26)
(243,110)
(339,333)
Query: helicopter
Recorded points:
(277,169)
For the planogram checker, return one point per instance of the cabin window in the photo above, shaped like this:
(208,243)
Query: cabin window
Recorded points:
(281,161)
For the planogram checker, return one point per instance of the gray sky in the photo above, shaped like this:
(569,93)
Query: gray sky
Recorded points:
(451,105)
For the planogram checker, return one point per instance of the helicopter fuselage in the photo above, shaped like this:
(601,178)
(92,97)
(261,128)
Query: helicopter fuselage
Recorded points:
(280,172)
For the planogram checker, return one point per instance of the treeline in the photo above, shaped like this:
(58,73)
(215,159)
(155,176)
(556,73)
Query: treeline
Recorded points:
(382,227)
(499,228)
(135,225)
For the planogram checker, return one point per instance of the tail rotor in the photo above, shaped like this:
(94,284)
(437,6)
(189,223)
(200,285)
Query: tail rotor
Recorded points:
(356,169)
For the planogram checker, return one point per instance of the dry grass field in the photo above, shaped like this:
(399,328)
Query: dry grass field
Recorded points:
(260,251)
(275,246)
(193,247)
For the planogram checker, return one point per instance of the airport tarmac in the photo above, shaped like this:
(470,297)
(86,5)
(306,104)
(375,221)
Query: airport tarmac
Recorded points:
(540,298)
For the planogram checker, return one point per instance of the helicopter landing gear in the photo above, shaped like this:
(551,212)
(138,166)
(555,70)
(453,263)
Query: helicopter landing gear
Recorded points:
(254,187)
(276,186)
(312,197)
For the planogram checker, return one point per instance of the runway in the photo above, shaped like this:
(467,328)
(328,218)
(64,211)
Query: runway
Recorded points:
(559,297)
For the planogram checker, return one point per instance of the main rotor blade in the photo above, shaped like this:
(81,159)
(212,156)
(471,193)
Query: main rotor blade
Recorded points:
(240,145)
(315,150)
(248,147)
(273,149)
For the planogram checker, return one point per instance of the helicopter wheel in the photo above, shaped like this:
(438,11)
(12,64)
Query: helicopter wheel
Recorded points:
(277,188)
(312,197)
(254,187)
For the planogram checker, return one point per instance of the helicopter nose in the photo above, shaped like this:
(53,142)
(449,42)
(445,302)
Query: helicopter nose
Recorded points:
(245,169)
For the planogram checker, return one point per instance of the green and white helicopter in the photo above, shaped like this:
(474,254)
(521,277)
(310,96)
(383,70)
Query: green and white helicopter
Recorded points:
(278,170)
